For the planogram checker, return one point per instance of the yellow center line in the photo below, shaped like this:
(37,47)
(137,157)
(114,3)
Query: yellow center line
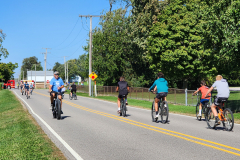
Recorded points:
(153,128)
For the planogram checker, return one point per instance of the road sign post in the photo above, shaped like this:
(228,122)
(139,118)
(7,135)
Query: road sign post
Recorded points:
(93,76)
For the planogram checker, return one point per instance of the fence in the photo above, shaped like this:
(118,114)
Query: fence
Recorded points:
(175,96)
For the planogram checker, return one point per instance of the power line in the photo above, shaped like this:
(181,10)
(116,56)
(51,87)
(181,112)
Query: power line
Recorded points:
(68,34)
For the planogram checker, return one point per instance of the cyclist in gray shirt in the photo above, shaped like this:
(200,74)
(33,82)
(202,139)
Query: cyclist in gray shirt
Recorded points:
(223,94)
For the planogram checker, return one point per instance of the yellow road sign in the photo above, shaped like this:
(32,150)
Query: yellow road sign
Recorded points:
(93,76)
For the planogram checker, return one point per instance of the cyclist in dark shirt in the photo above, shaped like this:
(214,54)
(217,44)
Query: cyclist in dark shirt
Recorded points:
(123,89)
(73,88)
(26,87)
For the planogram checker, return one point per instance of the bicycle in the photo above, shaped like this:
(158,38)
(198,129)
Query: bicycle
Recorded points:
(31,91)
(224,115)
(163,110)
(56,108)
(22,91)
(27,94)
(123,108)
(74,95)
(204,109)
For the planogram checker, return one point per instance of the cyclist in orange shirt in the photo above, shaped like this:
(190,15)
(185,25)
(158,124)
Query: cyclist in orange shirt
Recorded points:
(203,89)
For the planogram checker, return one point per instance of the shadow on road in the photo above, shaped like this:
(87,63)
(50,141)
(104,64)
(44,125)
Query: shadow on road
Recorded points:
(63,117)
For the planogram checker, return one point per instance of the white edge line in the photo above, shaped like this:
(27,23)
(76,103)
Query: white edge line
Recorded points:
(53,132)
(144,109)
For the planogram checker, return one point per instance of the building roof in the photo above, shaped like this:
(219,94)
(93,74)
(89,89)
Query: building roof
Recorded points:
(39,73)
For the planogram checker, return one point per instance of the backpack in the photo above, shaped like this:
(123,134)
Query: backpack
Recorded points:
(123,88)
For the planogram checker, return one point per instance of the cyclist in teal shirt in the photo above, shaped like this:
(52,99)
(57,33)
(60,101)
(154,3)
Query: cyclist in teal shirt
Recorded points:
(26,87)
(56,85)
(162,90)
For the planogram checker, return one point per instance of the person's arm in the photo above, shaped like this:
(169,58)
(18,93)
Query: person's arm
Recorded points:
(117,89)
(210,90)
(152,87)
(195,92)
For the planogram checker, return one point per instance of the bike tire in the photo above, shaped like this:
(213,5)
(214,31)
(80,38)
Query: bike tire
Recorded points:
(164,112)
(54,112)
(210,119)
(197,111)
(229,123)
(70,97)
(58,109)
(153,112)
(62,96)
(124,109)
(75,97)
(121,108)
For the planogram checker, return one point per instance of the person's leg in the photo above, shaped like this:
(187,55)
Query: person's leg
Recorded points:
(200,108)
(156,105)
(71,93)
(126,100)
(118,103)
(213,108)
(60,98)
(51,98)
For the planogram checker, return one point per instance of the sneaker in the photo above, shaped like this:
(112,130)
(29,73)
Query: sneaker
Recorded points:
(51,107)
(199,115)
(126,103)
(217,122)
(156,119)
(61,112)
(165,105)
(118,111)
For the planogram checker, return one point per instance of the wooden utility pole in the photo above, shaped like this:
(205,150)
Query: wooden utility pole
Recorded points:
(45,59)
(90,49)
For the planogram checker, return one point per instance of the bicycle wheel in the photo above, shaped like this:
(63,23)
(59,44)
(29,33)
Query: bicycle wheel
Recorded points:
(58,109)
(62,95)
(70,97)
(210,119)
(197,112)
(124,108)
(229,119)
(153,112)
(164,112)
(75,97)
(54,112)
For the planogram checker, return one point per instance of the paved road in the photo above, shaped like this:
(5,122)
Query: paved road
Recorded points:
(93,130)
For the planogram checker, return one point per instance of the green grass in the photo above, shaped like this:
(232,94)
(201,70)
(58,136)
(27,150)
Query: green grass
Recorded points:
(20,136)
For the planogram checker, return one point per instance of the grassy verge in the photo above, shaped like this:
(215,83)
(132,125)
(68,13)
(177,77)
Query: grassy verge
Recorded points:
(20,136)
(179,109)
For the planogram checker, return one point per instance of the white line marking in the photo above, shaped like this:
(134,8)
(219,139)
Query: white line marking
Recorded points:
(53,132)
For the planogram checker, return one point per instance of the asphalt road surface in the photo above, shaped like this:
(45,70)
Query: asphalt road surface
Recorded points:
(91,129)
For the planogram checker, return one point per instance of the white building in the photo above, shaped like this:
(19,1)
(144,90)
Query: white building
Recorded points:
(39,75)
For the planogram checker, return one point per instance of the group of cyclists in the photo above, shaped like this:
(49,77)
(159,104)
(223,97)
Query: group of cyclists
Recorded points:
(26,87)
(161,87)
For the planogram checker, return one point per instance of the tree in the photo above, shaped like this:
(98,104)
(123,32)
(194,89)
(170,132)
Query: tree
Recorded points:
(175,43)
(7,71)
(82,69)
(3,51)
(60,68)
(28,64)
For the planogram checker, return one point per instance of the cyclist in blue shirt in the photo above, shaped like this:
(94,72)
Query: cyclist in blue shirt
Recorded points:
(162,91)
(26,87)
(55,87)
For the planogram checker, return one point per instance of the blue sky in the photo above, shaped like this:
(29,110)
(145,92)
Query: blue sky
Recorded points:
(31,25)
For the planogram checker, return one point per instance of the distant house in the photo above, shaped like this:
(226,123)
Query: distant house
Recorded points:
(39,75)
(77,79)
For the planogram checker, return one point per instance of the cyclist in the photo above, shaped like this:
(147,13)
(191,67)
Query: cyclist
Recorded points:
(73,88)
(56,85)
(21,85)
(26,87)
(162,91)
(203,89)
(31,87)
(123,89)
(222,94)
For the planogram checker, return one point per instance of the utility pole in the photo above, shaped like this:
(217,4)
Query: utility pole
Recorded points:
(35,75)
(45,59)
(65,67)
(90,49)
(67,72)
(23,75)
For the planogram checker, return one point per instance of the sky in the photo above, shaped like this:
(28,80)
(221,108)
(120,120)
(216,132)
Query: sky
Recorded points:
(31,25)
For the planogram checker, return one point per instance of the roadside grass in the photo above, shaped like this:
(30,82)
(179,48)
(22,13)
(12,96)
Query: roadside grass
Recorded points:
(20,135)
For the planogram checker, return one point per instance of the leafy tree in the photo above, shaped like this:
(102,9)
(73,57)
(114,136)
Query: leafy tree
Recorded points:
(82,69)
(28,64)
(60,68)
(7,71)
(3,51)
(176,43)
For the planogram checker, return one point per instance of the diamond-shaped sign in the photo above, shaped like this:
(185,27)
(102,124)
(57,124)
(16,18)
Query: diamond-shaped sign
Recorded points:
(93,76)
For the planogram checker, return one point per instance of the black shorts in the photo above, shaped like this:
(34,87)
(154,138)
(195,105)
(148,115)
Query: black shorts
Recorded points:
(56,93)
(161,95)
(121,96)
(218,100)
(27,89)
(73,91)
